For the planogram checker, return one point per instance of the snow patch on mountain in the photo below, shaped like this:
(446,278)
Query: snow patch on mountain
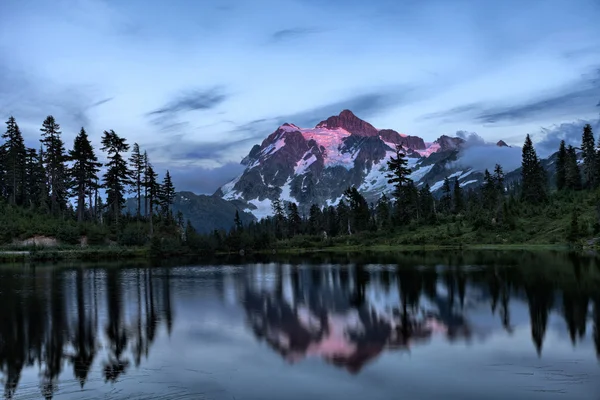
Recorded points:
(418,173)
(227,189)
(430,148)
(468,183)
(263,208)
(304,163)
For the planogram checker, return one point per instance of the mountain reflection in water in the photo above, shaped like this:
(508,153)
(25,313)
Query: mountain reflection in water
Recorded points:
(100,323)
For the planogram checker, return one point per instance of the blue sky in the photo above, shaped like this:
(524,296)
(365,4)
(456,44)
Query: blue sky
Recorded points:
(198,82)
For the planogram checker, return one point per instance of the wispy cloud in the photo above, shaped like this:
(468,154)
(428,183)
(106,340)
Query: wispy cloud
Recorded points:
(570,132)
(577,98)
(193,100)
(292,33)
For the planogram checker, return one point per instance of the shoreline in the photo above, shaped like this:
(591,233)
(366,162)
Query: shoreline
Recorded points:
(144,253)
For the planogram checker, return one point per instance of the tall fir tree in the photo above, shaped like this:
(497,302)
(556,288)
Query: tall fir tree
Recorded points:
(458,197)
(35,181)
(561,166)
(152,189)
(533,176)
(426,203)
(167,195)
(294,219)
(14,161)
(588,148)
(117,176)
(399,172)
(84,171)
(137,164)
(572,171)
(446,199)
(54,162)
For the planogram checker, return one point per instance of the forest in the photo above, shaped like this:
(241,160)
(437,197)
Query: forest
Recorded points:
(69,196)
(544,207)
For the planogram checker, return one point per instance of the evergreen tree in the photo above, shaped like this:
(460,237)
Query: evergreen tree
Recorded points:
(398,171)
(446,200)
(14,161)
(279,215)
(499,180)
(426,203)
(315,220)
(117,176)
(343,218)
(382,212)
(137,163)
(84,172)
(561,166)
(359,209)
(588,147)
(398,175)
(572,172)
(35,180)
(533,176)
(237,221)
(294,219)
(152,189)
(54,158)
(167,195)
(458,197)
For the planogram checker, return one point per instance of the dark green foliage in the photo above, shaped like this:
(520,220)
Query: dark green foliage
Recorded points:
(137,163)
(84,172)
(533,176)
(383,213)
(117,176)
(14,156)
(294,220)
(457,196)
(573,233)
(54,158)
(588,148)
(446,200)
(561,166)
(572,172)
(166,195)
(359,210)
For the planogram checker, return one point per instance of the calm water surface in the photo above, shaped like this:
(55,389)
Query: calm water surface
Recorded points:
(416,326)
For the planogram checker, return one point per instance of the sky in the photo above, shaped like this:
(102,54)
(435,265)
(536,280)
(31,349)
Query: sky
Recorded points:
(198,82)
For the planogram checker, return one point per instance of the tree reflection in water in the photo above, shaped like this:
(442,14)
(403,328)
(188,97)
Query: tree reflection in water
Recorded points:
(102,323)
(50,316)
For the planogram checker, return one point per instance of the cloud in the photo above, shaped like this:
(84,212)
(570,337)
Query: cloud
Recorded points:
(203,180)
(193,100)
(471,138)
(574,99)
(482,157)
(166,117)
(570,132)
(291,33)
(103,101)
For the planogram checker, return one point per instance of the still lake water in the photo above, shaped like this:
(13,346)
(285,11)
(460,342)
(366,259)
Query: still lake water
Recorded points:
(485,325)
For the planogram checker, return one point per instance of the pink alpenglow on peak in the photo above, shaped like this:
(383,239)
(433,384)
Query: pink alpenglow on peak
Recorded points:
(350,122)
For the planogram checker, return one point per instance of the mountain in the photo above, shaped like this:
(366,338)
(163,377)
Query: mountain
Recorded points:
(315,165)
(206,213)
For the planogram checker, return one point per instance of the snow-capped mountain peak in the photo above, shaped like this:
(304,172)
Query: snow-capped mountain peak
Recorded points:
(316,165)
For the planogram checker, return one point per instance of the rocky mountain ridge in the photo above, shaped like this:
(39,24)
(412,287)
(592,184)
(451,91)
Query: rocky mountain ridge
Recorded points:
(315,165)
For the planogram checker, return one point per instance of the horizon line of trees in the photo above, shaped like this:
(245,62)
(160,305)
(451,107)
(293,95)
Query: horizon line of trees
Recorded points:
(45,180)
(495,205)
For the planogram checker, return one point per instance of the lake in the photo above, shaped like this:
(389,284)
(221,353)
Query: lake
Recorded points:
(422,325)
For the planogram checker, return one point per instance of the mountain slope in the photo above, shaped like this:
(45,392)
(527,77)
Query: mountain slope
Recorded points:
(206,213)
(315,165)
